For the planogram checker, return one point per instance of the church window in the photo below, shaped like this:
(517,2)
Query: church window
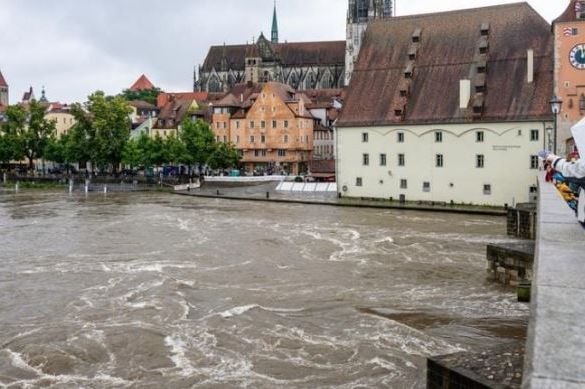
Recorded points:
(362,9)
(214,85)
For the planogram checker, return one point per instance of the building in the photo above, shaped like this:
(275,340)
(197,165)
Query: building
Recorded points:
(61,115)
(172,114)
(143,83)
(359,14)
(569,54)
(141,111)
(269,124)
(4,100)
(301,65)
(449,106)
(28,96)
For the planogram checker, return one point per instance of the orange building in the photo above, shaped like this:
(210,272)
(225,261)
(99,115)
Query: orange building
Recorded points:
(569,54)
(269,124)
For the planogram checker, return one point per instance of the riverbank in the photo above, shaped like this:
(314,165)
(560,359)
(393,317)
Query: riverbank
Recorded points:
(268,193)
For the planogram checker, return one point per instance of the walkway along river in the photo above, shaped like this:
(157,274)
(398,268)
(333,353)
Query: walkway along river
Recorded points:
(163,291)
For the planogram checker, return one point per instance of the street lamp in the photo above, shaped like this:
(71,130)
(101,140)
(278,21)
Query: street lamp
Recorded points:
(555,106)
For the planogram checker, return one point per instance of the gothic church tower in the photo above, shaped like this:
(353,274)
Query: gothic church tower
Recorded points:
(359,13)
(3,91)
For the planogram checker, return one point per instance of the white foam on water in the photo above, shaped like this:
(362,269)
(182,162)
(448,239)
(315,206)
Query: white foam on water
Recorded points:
(178,350)
(237,311)
(384,240)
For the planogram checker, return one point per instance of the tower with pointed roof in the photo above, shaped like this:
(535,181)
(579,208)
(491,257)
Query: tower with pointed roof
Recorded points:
(274,38)
(3,91)
(569,54)
(359,14)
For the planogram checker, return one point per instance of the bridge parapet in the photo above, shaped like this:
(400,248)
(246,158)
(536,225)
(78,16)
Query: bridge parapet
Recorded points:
(555,350)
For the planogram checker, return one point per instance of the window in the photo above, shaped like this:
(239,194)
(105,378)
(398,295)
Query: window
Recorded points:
(487,189)
(533,135)
(224,125)
(260,153)
(286,124)
(251,124)
(217,125)
(534,162)
(400,137)
(479,161)
(224,139)
(439,160)
(281,153)
(426,186)
(479,136)
(382,159)
(401,160)
(237,139)
(366,159)
(403,184)
(251,138)
(358,181)
(438,136)
(286,139)
(274,124)
(262,124)
(237,124)
(262,138)
(365,137)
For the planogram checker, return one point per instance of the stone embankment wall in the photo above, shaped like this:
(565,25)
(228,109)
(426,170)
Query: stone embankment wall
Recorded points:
(522,221)
(508,264)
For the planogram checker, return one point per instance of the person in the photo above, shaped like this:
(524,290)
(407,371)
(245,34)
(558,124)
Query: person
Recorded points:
(565,167)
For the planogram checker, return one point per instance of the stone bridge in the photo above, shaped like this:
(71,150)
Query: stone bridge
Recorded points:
(555,349)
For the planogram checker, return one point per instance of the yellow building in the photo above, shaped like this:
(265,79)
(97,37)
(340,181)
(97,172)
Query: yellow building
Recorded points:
(61,115)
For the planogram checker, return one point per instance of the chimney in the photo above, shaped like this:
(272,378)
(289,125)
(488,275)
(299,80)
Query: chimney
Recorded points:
(464,93)
(530,65)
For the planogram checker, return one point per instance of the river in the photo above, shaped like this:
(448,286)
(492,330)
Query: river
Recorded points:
(164,291)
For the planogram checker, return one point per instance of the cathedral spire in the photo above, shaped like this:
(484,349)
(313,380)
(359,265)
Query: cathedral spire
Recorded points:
(274,25)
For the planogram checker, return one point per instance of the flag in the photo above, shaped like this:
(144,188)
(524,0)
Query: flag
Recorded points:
(568,31)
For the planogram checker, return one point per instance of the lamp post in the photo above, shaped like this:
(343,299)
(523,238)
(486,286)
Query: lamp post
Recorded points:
(555,106)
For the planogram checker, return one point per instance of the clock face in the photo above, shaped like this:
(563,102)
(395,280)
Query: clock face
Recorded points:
(577,56)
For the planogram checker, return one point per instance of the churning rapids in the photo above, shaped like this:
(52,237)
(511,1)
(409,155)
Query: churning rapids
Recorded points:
(163,291)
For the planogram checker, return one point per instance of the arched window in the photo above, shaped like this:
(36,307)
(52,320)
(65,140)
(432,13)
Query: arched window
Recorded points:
(311,81)
(214,85)
(231,81)
(293,80)
(327,81)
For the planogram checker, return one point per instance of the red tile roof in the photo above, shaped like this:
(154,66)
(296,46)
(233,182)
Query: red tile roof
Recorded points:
(570,14)
(143,83)
(297,53)
(3,81)
(164,98)
(448,52)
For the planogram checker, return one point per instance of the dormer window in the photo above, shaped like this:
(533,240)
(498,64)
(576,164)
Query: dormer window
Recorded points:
(483,45)
(481,67)
(416,35)
(408,71)
(412,53)
(403,93)
(485,29)
(398,112)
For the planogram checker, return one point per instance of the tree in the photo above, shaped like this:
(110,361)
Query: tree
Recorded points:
(103,125)
(199,142)
(9,148)
(148,95)
(132,154)
(175,150)
(224,156)
(30,130)
(55,149)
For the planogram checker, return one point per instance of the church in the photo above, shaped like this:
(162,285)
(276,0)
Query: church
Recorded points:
(301,65)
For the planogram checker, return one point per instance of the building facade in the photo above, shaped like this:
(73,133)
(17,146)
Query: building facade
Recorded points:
(61,115)
(448,121)
(269,125)
(4,97)
(569,54)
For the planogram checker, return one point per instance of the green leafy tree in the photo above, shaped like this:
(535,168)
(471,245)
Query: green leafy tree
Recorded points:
(103,126)
(132,154)
(30,130)
(55,150)
(224,156)
(9,148)
(148,95)
(158,151)
(175,150)
(145,146)
(199,142)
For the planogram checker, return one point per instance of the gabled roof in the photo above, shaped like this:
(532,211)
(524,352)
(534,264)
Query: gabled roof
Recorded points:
(570,14)
(140,104)
(175,110)
(299,53)
(447,52)
(143,83)
(239,95)
(3,82)
(163,98)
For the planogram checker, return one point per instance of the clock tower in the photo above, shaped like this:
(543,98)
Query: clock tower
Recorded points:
(569,78)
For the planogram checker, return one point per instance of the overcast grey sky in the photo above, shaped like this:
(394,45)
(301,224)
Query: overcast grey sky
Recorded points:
(74,47)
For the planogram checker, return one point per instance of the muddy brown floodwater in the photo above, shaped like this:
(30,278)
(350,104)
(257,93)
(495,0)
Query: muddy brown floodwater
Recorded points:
(163,291)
